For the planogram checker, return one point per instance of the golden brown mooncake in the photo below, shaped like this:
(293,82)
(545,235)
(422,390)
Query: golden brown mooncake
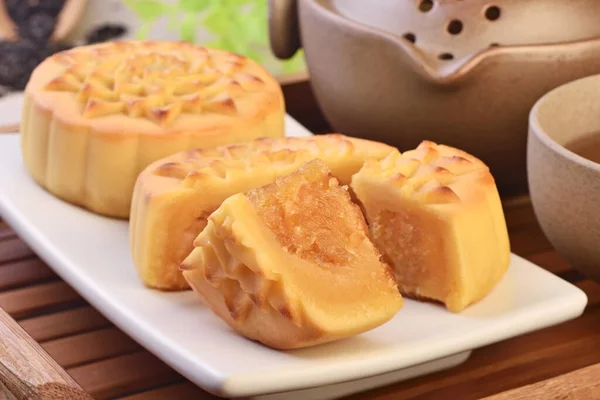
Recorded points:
(435,214)
(290,264)
(95,116)
(174,196)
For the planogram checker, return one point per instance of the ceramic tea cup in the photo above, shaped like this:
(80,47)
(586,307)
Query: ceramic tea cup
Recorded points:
(564,186)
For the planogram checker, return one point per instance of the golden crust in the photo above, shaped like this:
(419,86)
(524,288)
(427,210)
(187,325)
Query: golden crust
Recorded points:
(292,296)
(431,174)
(435,214)
(173,196)
(96,115)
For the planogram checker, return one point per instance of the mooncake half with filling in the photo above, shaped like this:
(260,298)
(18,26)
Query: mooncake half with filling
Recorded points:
(291,265)
(435,214)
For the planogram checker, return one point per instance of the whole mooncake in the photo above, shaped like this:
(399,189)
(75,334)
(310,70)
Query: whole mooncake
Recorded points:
(290,264)
(95,116)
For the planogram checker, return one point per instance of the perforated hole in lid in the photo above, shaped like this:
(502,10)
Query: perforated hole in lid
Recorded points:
(410,37)
(493,13)
(425,5)
(455,27)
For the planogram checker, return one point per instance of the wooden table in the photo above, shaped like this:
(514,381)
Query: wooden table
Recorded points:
(108,364)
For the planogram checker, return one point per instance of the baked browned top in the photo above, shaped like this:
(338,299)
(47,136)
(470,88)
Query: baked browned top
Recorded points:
(153,80)
(189,167)
(430,174)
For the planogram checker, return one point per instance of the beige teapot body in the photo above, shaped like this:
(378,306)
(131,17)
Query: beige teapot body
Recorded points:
(463,73)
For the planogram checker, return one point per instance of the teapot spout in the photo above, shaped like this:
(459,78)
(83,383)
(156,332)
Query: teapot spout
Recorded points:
(444,69)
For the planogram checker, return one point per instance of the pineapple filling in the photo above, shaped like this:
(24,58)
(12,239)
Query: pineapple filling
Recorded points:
(412,241)
(311,216)
(334,267)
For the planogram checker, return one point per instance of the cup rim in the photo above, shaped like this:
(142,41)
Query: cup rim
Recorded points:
(536,128)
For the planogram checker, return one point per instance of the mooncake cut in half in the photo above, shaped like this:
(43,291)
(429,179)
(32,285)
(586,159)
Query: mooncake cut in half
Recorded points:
(290,264)
(95,116)
(435,214)
(174,196)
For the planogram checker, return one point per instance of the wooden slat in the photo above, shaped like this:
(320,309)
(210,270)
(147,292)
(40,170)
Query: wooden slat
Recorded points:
(11,128)
(526,236)
(592,291)
(24,273)
(487,374)
(124,375)
(520,216)
(583,384)
(20,303)
(27,371)
(64,323)
(5,231)
(180,391)
(521,360)
(13,249)
(529,240)
(551,261)
(556,361)
(89,347)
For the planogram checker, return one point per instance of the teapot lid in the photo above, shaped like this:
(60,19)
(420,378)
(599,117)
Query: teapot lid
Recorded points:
(453,31)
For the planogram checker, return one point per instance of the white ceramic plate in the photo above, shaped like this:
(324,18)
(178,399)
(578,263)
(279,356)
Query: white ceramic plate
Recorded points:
(10,108)
(92,254)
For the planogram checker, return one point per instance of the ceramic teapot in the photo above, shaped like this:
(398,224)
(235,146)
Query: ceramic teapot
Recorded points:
(463,73)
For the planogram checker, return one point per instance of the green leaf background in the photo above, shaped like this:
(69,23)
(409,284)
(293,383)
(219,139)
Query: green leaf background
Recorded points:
(240,26)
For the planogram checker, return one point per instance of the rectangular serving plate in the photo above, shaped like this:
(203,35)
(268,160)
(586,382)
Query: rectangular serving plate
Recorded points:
(92,254)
